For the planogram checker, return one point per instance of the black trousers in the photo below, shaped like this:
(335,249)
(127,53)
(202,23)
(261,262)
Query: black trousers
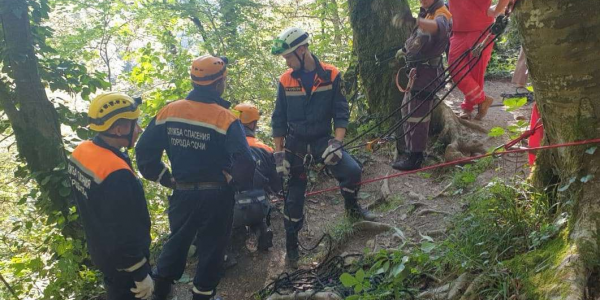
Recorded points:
(206,215)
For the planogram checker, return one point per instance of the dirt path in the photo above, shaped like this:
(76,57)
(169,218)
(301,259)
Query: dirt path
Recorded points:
(255,270)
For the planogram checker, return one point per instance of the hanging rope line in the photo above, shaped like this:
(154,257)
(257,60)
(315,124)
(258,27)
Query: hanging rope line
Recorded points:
(465,160)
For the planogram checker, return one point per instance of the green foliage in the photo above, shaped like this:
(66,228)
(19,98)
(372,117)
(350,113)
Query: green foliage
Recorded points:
(502,220)
(391,273)
(466,175)
(505,54)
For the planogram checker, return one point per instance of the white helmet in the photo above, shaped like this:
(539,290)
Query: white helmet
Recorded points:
(288,40)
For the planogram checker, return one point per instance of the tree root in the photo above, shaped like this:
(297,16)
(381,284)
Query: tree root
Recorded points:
(415,205)
(458,135)
(385,187)
(306,295)
(372,226)
(436,293)
(459,285)
(431,211)
(435,233)
(476,285)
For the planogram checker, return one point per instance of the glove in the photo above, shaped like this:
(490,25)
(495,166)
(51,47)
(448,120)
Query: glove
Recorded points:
(333,153)
(144,289)
(404,19)
(400,54)
(281,164)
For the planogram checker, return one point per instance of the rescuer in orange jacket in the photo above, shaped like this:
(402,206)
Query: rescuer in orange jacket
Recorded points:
(254,211)
(209,156)
(309,104)
(110,198)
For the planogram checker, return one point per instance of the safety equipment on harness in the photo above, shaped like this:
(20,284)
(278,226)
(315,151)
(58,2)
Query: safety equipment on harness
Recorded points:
(282,165)
(107,108)
(144,289)
(333,153)
(246,112)
(289,40)
(251,208)
(401,54)
(207,69)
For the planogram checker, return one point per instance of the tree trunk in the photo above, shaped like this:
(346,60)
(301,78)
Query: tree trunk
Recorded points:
(561,39)
(376,36)
(32,116)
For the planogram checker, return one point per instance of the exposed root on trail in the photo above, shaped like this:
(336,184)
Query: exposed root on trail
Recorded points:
(457,134)
(432,211)
(371,226)
(306,295)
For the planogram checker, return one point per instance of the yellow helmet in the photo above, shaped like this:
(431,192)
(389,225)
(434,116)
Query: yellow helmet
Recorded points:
(246,112)
(107,108)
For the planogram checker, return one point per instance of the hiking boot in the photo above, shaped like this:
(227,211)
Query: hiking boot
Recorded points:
(162,289)
(291,258)
(483,107)
(360,213)
(265,238)
(229,261)
(413,162)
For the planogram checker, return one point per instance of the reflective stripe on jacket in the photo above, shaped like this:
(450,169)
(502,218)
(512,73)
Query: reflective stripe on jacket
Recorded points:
(202,139)
(111,204)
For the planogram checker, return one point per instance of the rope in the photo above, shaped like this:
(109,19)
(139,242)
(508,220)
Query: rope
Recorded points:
(461,161)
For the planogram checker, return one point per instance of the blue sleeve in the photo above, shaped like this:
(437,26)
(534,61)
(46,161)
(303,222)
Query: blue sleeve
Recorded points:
(243,166)
(149,151)
(443,26)
(279,118)
(129,226)
(341,112)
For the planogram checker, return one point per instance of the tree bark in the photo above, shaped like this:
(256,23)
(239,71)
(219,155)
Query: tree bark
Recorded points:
(32,116)
(561,39)
(376,36)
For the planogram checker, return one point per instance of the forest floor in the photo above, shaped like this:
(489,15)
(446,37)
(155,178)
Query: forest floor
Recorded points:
(410,196)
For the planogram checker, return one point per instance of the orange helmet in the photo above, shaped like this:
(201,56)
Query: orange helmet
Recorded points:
(207,69)
(247,113)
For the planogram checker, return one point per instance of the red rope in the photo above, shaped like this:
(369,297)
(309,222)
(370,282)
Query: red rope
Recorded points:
(526,134)
(460,161)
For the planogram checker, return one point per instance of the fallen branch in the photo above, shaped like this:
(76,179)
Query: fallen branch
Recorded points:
(306,295)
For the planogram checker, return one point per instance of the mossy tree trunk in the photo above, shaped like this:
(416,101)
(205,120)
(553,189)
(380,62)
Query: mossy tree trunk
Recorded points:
(375,35)
(561,40)
(32,116)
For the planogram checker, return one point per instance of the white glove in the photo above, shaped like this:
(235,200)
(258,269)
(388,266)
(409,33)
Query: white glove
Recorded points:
(282,165)
(333,153)
(144,289)
(401,54)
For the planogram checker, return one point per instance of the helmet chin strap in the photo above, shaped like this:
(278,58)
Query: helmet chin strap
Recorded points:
(301,60)
(128,136)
